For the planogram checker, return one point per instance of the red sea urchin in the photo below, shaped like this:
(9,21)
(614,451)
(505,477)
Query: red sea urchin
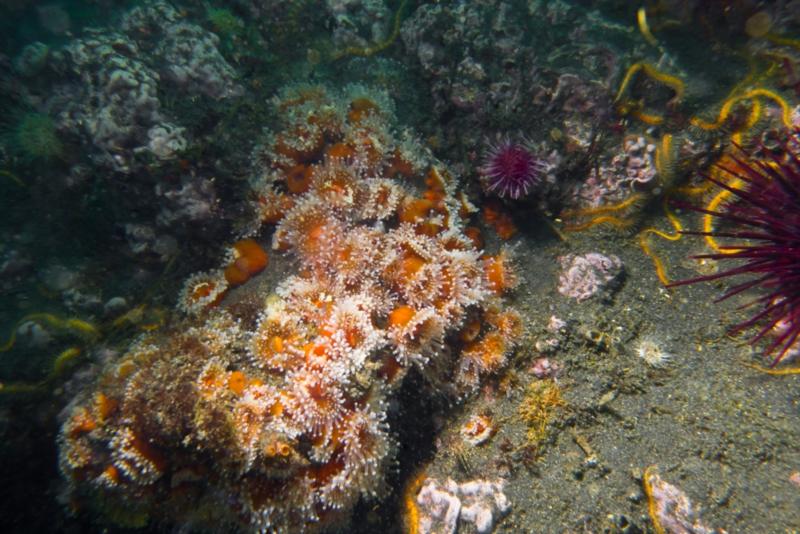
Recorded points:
(510,168)
(765,216)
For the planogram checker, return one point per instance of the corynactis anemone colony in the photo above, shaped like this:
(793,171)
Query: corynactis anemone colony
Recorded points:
(270,413)
(510,169)
(763,220)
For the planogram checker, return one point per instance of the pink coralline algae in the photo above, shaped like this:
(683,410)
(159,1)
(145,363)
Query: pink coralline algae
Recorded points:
(584,276)
(479,502)
(544,368)
(632,169)
(510,169)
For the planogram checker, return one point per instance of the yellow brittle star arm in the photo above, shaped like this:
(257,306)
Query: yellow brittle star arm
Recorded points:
(604,209)
(725,110)
(645,244)
(644,28)
(673,82)
(602,219)
(775,372)
(785,41)
(379,47)
(708,219)
(80,327)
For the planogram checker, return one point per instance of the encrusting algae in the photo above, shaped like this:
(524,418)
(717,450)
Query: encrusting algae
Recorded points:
(271,414)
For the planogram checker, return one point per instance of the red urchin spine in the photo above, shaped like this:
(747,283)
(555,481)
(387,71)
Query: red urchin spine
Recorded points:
(766,215)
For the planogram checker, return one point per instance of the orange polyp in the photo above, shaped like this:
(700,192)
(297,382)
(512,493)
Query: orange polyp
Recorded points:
(274,207)
(237,381)
(470,331)
(508,323)
(363,104)
(298,178)
(341,151)
(299,155)
(202,290)
(398,165)
(401,316)
(235,276)
(282,149)
(505,228)
(434,196)
(82,423)
(149,452)
(435,184)
(105,406)
(345,254)
(353,337)
(316,232)
(411,264)
(490,351)
(276,344)
(500,221)
(389,369)
(383,196)
(430,228)
(496,274)
(112,473)
(250,259)
(210,379)
(283,449)
(327,332)
(276,410)
(361,108)
(314,349)
(415,210)
(372,156)
(494,348)
(314,241)
(322,474)
(474,235)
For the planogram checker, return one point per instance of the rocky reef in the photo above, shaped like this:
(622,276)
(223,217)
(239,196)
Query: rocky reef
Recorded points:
(270,412)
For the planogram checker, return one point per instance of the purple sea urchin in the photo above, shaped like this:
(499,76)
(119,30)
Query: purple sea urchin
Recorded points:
(510,168)
(764,219)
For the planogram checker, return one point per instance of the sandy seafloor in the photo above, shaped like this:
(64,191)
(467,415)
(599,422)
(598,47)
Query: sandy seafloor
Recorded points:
(722,432)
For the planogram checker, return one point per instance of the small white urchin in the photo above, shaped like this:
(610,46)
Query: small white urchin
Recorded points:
(652,353)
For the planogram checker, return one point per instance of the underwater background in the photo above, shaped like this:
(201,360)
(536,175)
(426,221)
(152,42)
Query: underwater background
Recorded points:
(400,266)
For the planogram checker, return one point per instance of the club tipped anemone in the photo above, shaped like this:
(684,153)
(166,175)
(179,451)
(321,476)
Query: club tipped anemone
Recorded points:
(762,233)
(268,411)
(510,169)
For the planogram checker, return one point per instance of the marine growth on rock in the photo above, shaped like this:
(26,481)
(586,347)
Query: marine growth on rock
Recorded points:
(271,414)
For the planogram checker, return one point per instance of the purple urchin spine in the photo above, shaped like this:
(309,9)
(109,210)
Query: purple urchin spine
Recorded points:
(510,168)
